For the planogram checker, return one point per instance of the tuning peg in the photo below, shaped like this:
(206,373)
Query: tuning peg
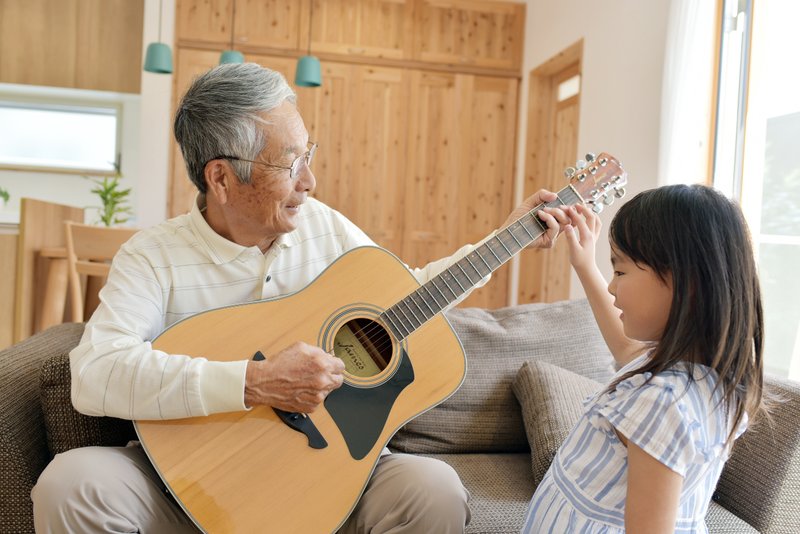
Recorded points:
(581,164)
(620,192)
(597,207)
(590,157)
(608,200)
(569,171)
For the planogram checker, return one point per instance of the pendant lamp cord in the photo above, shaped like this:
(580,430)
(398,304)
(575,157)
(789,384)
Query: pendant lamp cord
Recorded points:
(310,20)
(233,22)
(159,20)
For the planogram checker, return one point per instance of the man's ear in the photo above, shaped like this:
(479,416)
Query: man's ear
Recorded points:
(218,175)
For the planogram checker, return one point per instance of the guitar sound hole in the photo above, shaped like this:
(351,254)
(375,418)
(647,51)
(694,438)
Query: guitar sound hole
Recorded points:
(364,346)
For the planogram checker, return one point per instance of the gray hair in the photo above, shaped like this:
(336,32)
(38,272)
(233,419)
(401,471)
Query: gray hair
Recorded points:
(218,116)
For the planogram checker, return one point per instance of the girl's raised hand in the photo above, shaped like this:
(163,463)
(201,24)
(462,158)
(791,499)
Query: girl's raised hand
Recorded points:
(582,235)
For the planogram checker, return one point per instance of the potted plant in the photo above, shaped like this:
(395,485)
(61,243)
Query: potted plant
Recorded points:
(114,200)
(4,196)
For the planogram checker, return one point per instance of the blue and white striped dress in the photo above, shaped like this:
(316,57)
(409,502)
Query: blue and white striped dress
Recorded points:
(684,428)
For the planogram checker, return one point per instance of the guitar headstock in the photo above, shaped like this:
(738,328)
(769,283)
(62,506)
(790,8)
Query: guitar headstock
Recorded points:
(598,180)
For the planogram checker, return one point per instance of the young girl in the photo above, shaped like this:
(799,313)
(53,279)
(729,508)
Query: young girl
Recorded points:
(649,449)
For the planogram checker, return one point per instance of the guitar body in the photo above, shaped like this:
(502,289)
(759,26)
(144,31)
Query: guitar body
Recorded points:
(250,471)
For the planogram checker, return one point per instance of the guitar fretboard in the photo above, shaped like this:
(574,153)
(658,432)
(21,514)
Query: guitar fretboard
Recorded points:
(445,288)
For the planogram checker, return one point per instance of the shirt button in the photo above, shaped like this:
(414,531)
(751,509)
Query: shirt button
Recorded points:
(269,277)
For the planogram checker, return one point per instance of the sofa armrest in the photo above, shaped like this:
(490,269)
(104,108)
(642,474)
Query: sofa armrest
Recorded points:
(761,481)
(23,443)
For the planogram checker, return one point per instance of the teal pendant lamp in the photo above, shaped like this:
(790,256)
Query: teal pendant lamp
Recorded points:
(158,58)
(231,55)
(309,72)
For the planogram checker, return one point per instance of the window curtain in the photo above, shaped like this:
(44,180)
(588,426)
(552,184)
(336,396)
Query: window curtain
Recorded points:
(687,99)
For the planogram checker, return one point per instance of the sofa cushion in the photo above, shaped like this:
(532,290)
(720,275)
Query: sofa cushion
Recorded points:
(66,428)
(483,415)
(552,403)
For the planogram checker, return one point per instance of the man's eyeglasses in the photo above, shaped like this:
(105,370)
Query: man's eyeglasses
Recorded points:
(294,169)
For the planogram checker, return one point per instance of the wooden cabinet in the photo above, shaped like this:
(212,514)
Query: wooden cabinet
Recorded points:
(83,44)
(420,156)
(461,168)
(370,28)
(470,32)
(272,23)
(204,20)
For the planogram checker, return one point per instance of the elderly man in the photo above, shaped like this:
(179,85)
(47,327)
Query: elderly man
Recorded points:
(253,234)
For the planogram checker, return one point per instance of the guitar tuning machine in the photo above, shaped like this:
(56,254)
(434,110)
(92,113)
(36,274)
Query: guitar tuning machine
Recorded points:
(569,171)
(590,157)
(597,207)
(619,192)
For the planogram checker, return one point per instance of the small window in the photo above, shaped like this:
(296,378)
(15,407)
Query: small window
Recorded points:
(65,138)
(569,87)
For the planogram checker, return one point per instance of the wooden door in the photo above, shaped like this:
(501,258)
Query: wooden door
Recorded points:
(204,20)
(461,166)
(551,146)
(470,32)
(359,122)
(373,28)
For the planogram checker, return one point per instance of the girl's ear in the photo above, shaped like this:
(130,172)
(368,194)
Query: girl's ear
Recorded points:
(218,176)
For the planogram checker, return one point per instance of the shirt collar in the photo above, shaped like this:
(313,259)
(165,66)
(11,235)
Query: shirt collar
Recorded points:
(222,250)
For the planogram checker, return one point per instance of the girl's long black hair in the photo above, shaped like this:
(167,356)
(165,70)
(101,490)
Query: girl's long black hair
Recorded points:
(700,238)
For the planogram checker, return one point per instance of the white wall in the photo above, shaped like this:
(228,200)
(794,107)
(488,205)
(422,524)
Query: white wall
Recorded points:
(623,57)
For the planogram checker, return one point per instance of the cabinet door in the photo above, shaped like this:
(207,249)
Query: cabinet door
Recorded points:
(271,23)
(204,20)
(470,32)
(189,64)
(359,121)
(374,28)
(461,166)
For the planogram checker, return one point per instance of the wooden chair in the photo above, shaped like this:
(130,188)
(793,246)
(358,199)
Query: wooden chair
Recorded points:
(89,253)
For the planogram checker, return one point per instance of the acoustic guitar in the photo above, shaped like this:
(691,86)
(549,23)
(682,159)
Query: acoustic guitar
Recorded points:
(266,470)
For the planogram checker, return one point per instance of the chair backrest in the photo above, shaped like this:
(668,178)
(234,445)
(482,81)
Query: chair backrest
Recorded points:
(89,252)
(40,224)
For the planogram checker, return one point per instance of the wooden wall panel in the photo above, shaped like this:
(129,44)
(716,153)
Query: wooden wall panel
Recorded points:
(8,276)
(204,20)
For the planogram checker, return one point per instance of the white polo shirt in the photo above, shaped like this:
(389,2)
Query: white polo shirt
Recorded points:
(175,270)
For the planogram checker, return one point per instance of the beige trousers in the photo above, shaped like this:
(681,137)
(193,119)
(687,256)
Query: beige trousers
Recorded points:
(115,489)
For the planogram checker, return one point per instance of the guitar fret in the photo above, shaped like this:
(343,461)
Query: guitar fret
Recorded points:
(514,237)
(465,273)
(440,291)
(448,285)
(411,311)
(420,309)
(539,222)
(457,281)
(404,315)
(526,230)
(399,321)
(425,301)
(478,252)
(473,266)
(492,251)
(499,239)
(425,287)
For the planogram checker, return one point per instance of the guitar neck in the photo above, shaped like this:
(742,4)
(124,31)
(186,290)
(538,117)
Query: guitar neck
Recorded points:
(448,286)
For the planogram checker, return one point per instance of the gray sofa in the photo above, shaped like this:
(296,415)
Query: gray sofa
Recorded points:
(529,367)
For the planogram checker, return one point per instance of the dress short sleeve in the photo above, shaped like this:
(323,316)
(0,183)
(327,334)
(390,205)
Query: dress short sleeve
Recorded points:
(654,414)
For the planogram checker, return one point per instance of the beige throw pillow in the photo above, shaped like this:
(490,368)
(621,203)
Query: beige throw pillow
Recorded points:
(552,403)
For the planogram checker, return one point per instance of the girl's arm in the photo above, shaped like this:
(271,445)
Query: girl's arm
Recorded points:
(653,494)
(582,236)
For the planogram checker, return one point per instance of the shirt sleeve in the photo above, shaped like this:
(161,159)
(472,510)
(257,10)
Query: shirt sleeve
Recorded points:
(653,417)
(117,372)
